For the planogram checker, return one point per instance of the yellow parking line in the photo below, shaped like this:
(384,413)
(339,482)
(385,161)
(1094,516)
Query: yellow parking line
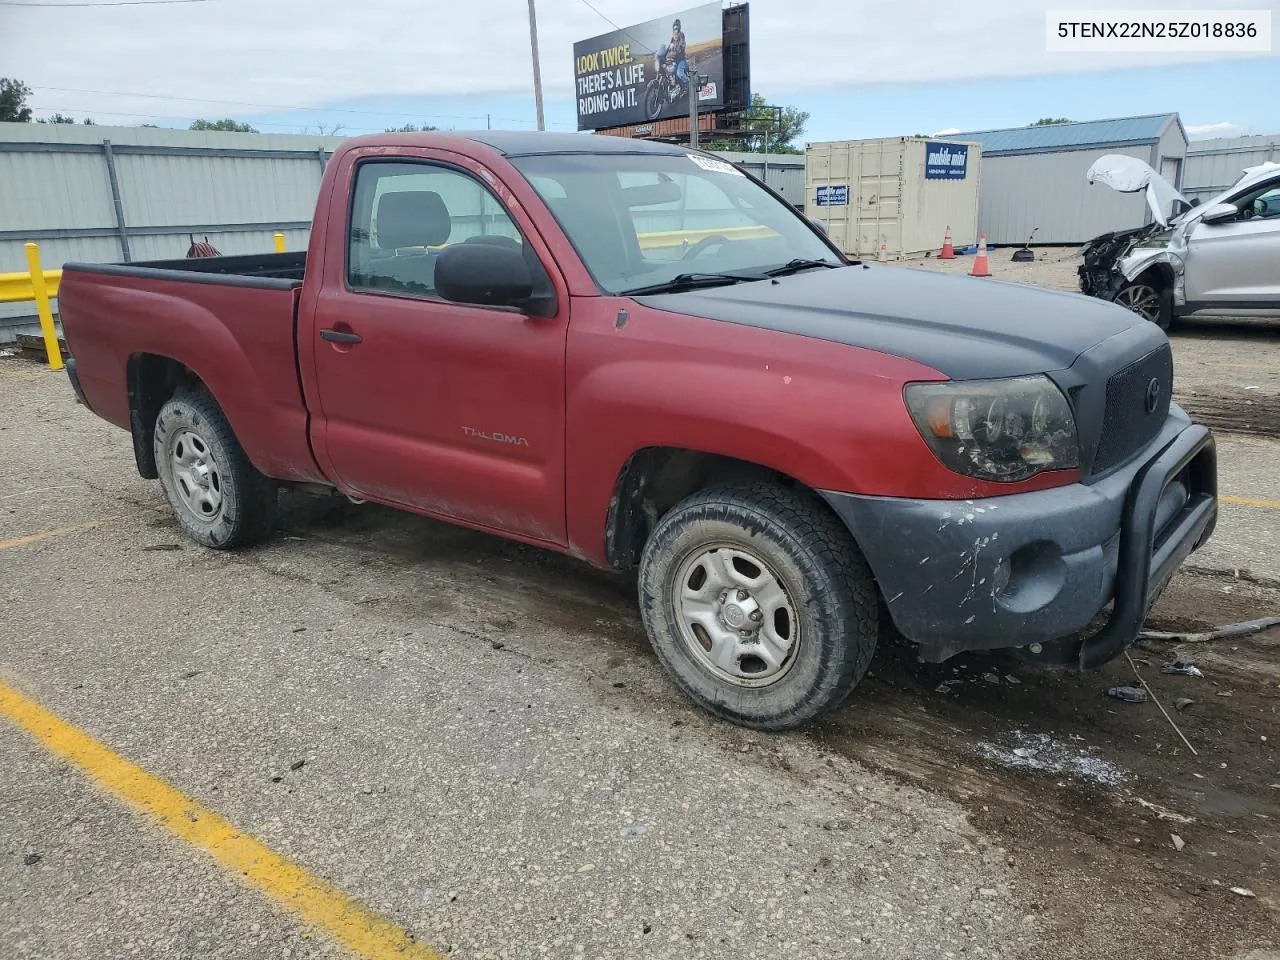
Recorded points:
(1251,502)
(47,534)
(318,903)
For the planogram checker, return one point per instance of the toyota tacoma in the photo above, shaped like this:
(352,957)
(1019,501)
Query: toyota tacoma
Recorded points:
(638,355)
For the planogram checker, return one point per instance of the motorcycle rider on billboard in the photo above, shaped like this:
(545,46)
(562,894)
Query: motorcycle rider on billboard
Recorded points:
(674,52)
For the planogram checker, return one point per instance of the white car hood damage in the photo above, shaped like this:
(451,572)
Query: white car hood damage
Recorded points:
(1130,175)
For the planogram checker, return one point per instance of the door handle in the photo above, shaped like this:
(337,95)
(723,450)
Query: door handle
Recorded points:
(340,336)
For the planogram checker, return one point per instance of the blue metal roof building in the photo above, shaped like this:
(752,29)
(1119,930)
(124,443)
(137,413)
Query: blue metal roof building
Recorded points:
(1034,177)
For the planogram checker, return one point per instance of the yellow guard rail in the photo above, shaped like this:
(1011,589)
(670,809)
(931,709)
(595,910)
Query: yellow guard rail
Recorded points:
(41,286)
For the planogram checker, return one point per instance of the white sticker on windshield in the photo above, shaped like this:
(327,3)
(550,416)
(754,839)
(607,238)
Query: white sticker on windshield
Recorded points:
(714,165)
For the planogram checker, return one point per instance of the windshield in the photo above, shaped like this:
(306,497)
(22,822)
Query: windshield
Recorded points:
(642,220)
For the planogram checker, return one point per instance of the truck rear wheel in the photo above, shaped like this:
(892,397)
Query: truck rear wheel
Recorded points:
(757,600)
(218,497)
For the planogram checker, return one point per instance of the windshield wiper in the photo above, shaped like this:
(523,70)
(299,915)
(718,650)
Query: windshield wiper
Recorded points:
(795,266)
(693,281)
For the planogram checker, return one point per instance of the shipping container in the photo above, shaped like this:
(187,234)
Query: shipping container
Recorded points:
(902,192)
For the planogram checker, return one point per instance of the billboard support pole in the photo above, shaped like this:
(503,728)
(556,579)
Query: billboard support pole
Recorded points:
(693,109)
(537,70)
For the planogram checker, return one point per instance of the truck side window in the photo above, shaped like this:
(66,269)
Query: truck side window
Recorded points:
(404,214)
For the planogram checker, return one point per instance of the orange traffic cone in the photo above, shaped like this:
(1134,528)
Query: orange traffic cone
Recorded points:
(980,265)
(884,252)
(948,251)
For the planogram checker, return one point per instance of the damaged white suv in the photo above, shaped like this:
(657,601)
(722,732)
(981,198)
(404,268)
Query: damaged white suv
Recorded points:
(1221,258)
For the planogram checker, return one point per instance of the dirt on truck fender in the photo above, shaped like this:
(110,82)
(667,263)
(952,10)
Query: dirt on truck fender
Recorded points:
(638,355)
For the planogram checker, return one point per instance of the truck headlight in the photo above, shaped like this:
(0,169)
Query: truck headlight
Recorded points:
(1002,430)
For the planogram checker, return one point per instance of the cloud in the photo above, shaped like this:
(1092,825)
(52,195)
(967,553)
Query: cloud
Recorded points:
(250,58)
(1205,131)
(945,133)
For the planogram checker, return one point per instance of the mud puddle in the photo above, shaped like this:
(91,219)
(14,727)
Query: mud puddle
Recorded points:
(1088,792)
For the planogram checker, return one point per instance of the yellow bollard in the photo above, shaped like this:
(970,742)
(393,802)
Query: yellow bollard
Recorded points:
(279,243)
(43,308)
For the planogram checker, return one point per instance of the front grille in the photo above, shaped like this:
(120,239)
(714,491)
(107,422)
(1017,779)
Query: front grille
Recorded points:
(1127,425)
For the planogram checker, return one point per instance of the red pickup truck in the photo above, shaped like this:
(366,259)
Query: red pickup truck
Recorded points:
(635,354)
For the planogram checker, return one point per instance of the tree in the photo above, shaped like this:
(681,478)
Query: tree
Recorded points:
(410,128)
(777,129)
(232,126)
(63,118)
(13,101)
(324,129)
(1050,121)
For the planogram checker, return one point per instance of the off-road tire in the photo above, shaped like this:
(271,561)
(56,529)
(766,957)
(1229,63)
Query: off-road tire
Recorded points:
(816,561)
(249,499)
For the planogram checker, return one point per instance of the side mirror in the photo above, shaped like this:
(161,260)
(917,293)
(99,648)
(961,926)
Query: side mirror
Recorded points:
(1220,213)
(484,274)
(820,224)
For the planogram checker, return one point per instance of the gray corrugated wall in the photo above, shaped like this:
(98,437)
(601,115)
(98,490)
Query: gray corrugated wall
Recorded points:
(785,171)
(1049,191)
(1214,165)
(227,195)
(1172,146)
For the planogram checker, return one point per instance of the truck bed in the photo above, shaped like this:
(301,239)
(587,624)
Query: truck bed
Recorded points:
(286,269)
(230,321)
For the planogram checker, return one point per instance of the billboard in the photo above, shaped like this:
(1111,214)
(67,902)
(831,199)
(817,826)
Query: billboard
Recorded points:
(638,74)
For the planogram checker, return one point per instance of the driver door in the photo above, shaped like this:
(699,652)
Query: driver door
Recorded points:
(450,409)
(1236,264)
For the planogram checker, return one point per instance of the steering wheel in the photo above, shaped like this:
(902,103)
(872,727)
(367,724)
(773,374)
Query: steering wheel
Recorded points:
(703,245)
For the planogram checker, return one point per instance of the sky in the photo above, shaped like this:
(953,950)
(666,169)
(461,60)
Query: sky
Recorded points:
(861,68)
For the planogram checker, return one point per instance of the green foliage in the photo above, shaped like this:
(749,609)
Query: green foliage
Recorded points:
(1050,121)
(229,125)
(13,101)
(63,118)
(410,128)
(776,134)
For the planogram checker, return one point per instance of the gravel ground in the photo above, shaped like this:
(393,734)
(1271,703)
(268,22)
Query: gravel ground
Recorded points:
(495,761)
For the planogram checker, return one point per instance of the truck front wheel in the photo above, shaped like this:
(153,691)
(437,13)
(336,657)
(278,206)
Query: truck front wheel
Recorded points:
(757,600)
(218,497)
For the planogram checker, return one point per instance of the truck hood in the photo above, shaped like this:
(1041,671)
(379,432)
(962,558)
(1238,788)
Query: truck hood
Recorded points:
(963,327)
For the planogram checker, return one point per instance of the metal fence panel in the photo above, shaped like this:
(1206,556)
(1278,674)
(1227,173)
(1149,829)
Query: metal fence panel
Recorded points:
(235,188)
(1214,165)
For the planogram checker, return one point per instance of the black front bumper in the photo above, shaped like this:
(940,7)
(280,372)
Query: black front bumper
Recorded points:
(1034,568)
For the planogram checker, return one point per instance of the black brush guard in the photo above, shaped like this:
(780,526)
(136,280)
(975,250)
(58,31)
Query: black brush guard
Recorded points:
(1151,551)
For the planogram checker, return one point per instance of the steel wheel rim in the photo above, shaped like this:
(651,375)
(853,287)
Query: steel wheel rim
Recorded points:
(1142,300)
(735,616)
(197,476)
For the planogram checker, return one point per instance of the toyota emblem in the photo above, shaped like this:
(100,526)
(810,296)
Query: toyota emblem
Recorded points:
(1153,395)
